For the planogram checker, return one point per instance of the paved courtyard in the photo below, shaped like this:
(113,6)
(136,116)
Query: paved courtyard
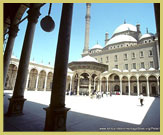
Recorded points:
(115,113)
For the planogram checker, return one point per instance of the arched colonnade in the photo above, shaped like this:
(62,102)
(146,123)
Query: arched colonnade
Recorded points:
(85,83)
(37,79)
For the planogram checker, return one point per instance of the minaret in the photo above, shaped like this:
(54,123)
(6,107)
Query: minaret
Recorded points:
(87,23)
(106,37)
(138,31)
(147,30)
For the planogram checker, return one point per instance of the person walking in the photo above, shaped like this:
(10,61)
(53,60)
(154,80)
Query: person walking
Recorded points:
(141,99)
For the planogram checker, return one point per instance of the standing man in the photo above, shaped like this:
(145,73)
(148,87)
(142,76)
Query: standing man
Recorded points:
(141,99)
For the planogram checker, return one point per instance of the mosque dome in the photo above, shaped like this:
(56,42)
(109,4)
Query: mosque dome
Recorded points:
(121,38)
(87,59)
(147,35)
(125,27)
(97,46)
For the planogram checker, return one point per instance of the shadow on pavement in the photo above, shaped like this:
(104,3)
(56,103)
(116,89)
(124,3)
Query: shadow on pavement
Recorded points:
(34,119)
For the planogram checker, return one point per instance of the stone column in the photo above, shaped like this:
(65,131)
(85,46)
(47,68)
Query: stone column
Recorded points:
(8,51)
(147,87)
(89,85)
(157,18)
(138,91)
(37,82)
(107,85)
(17,100)
(129,90)
(158,53)
(158,86)
(70,85)
(94,85)
(78,87)
(56,113)
(87,27)
(45,82)
(26,87)
(121,86)
(100,84)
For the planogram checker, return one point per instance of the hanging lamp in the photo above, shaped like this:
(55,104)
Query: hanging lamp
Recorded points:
(47,23)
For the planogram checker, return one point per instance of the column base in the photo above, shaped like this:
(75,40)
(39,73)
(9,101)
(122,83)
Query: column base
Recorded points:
(15,106)
(56,119)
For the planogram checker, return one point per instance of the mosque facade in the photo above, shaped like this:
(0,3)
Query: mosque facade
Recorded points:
(128,64)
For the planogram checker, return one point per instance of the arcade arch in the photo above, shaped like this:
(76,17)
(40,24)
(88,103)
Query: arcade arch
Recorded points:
(104,85)
(143,85)
(41,81)
(133,87)
(32,79)
(152,85)
(49,81)
(11,77)
(125,88)
(114,83)
(84,84)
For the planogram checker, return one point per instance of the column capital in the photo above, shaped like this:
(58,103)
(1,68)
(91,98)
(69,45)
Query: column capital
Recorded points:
(33,14)
(120,77)
(137,76)
(13,30)
(157,78)
(128,76)
(147,79)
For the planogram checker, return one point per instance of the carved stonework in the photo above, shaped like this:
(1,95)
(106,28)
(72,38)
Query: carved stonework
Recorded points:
(15,106)
(56,119)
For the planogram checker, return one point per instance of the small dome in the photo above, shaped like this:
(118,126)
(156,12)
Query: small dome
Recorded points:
(115,69)
(133,70)
(105,72)
(69,70)
(125,70)
(121,38)
(87,59)
(151,69)
(32,61)
(142,69)
(97,46)
(14,57)
(147,35)
(125,27)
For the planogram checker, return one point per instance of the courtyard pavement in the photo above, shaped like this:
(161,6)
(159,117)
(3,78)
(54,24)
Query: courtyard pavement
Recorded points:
(115,113)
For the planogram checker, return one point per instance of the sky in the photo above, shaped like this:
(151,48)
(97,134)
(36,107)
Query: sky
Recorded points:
(105,17)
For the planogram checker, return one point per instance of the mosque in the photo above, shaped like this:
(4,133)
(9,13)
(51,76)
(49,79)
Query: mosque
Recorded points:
(128,64)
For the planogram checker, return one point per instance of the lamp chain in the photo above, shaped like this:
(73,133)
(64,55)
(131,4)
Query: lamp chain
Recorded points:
(49,9)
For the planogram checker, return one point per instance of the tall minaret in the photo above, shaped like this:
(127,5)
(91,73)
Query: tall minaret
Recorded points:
(87,23)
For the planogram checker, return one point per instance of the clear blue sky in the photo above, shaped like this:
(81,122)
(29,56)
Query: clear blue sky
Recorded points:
(105,17)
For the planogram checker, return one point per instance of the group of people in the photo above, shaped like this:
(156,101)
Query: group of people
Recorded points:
(100,94)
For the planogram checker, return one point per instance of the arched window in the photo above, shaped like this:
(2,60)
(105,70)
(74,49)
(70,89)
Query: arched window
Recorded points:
(150,53)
